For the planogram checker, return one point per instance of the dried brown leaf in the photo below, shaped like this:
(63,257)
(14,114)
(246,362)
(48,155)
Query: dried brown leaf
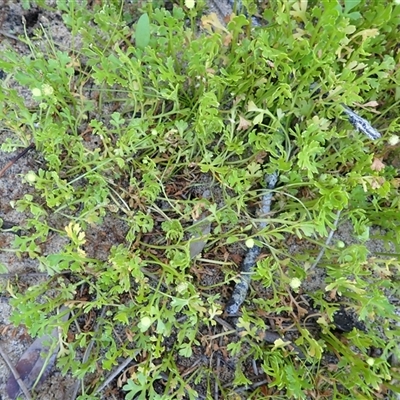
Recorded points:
(377,165)
(243,124)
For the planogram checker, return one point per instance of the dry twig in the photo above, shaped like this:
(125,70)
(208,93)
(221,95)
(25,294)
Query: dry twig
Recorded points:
(15,159)
(15,373)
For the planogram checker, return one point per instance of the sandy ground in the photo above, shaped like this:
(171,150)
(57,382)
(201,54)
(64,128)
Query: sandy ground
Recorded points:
(14,341)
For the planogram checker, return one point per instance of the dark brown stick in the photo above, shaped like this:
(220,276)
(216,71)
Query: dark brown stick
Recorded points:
(15,159)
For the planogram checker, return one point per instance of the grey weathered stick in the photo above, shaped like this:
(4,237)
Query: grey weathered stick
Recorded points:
(240,291)
(113,374)
(361,124)
(9,35)
(37,361)
(15,374)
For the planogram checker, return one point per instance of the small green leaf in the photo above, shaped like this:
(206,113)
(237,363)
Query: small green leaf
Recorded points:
(186,350)
(145,324)
(3,269)
(350,4)
(143,31)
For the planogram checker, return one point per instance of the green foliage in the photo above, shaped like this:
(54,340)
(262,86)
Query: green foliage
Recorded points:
(143,31)
(176,97)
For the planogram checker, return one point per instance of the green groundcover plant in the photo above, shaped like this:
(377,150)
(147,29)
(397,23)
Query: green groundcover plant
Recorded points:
(147,99)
